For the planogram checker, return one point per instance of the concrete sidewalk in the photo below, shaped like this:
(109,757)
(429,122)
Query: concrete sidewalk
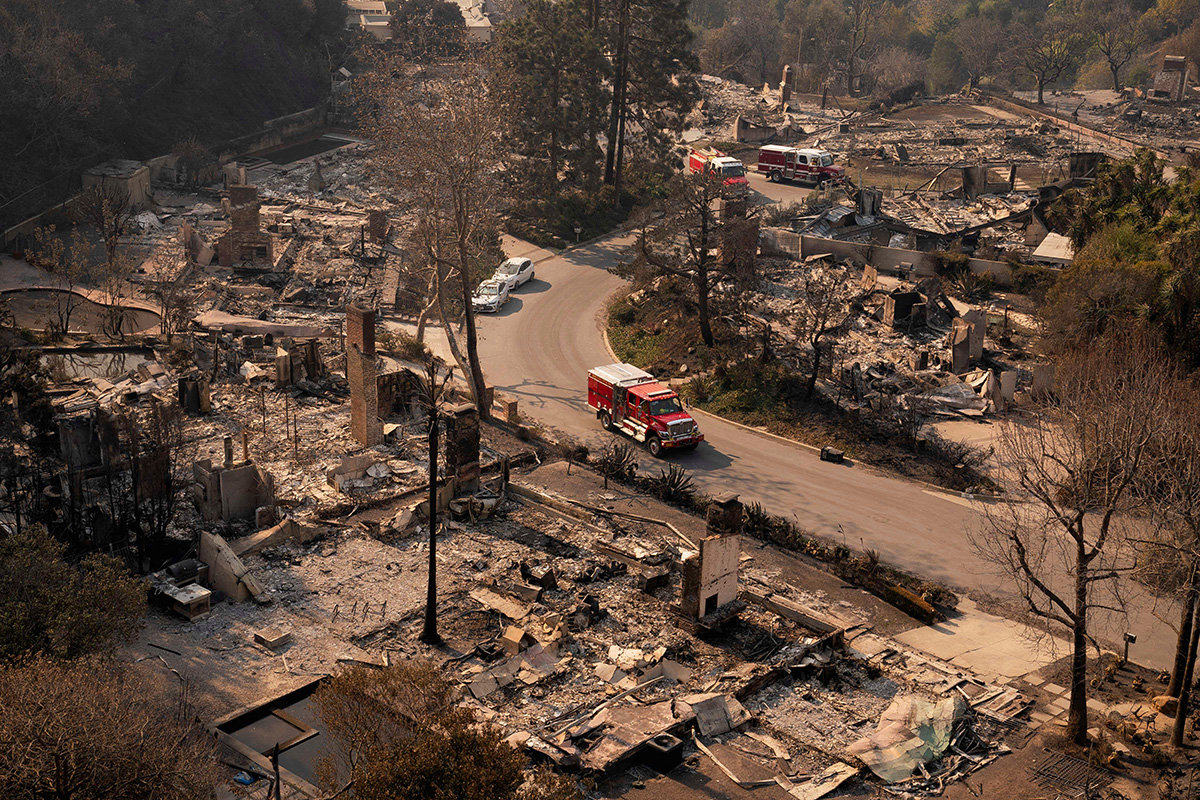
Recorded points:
(995,648)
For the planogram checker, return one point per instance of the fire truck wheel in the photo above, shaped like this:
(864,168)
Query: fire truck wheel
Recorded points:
(605,421)
(654,445)
(776,176)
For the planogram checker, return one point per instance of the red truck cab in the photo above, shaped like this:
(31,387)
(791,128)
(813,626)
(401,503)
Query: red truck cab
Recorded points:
(630,400)
(717,165)
(806,165)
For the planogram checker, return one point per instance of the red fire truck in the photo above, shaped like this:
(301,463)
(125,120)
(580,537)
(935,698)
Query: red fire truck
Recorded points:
(628,399)
(716,164)
(781,163)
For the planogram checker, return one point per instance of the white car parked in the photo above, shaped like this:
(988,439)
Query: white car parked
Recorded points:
(490,296)
(514,272)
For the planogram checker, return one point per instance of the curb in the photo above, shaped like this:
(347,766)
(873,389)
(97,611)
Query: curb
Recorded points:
(555,253)
(870,468)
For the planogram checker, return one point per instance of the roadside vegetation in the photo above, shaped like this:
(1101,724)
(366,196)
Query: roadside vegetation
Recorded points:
(656,329)
(671,483)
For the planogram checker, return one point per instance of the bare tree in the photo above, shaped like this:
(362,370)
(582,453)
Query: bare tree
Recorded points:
(1065,540)
(107,208)
(99,730)
(862,18)
(70,265)
(433,395)
(1048,51)
(824,293)
(746,46)
(687,242)
(1118,35)
(118,318)
(170,285)
(159,463)
(1169,561)
(982,41)
(894,70)
(439,135)
(192,158)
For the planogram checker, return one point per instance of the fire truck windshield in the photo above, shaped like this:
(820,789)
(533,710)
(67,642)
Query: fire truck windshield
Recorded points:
(733,171)
(826,161)
(667,405)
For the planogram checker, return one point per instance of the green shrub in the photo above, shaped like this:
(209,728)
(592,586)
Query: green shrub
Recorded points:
(404,346)
(951,265)
(1033,280)
(671,485)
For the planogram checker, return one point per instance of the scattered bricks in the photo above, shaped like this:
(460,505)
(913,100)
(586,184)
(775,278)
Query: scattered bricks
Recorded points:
(832,455)
(273,638)
(653,579)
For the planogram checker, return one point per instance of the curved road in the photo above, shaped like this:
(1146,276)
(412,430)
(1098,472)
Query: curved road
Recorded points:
(538,350)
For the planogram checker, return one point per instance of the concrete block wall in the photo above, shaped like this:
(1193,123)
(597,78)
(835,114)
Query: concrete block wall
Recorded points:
(887,259)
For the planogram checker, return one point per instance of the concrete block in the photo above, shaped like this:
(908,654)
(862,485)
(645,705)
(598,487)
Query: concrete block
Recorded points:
(273,638)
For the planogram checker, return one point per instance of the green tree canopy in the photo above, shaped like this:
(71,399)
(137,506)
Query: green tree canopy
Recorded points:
(1142,234)
(429,29)
(401,735)
(550,69)
(65,611)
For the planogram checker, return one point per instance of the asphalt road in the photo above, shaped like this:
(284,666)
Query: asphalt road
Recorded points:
(539,348)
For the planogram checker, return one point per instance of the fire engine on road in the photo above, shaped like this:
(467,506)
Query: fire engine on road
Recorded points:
(806,165)
(630,400)
(716,164)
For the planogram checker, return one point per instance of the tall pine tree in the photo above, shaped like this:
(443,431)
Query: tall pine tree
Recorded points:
(653,67)
(552,69)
